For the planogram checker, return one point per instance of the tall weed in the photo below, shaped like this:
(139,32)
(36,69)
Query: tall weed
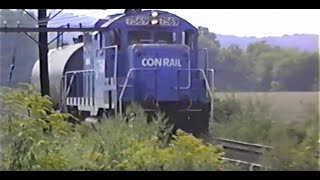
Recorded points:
(35,137)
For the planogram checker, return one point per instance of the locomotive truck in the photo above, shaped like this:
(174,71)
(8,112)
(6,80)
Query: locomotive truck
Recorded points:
(149,57)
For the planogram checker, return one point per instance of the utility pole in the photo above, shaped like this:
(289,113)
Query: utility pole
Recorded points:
(43,53)
(42,42)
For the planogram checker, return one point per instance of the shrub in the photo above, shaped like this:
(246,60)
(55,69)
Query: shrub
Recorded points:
(37,138)
(250,121)
(184,153)
(225,108)
(33,134)
(295,145)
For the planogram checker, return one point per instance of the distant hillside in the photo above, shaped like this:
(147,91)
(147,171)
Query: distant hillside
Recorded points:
(303,42)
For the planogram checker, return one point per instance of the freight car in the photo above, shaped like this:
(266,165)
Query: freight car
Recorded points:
(148,57)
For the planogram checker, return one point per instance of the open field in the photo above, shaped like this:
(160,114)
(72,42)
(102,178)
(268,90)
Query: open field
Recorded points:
(289,106)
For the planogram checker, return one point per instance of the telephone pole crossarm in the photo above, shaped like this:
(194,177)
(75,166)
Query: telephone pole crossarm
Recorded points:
(49,29)
(43,30)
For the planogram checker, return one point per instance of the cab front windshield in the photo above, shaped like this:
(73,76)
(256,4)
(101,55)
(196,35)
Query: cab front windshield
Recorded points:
(146,37)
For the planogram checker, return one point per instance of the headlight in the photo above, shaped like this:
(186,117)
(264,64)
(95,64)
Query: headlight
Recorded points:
(154,21)
(154,14)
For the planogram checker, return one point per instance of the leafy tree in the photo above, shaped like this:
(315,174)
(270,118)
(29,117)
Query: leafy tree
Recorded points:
(299,73)
(208,40)
(261,67)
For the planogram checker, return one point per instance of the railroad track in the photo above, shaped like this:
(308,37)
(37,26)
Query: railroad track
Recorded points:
(242,153)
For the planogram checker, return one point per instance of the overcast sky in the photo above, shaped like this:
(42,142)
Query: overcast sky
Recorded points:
(241,22)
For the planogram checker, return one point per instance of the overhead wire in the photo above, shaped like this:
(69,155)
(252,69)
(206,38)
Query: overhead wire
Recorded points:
(53,18)
(56,20)
(75,17)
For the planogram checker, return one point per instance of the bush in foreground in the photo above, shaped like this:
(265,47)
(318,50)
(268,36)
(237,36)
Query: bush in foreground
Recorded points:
(37,138)
(295,145)
(250,121)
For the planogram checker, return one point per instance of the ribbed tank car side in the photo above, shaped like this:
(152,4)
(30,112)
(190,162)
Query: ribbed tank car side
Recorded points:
(61,60)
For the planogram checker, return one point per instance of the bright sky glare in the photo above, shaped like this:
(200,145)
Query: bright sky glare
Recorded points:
(240,22)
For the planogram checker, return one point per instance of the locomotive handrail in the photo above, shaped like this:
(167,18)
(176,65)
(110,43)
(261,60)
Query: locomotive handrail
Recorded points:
(206,55)
(67,88)
(115,70)
(212,91)
(115,61)
(204,75)
(62,93)
(126,83)
(209,89)
(189,74)
(79,71)
(73,73)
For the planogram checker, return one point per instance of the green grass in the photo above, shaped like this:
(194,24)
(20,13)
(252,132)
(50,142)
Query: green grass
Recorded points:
(288,106)
(286,121)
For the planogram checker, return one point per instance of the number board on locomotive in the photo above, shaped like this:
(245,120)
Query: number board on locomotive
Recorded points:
(141,20)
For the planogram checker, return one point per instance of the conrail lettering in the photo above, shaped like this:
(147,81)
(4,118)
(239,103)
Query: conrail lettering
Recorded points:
(161,62)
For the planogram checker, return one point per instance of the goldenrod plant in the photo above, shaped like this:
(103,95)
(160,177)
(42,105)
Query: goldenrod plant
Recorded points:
(35,137)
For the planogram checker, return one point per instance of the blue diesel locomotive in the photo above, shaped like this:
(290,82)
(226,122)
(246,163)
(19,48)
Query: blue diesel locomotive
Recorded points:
(148,57)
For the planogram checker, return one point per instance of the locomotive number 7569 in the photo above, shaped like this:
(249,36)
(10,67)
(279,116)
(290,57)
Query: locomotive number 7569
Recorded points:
(134,20)
(169,21)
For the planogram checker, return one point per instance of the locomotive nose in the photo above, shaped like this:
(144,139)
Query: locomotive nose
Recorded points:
(159,56)
(160,69)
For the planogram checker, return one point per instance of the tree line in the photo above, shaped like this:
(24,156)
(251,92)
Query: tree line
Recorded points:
(260,67)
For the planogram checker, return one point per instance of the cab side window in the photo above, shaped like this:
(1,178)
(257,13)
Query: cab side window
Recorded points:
(112,37)
(101,38)
(188,40)
(97,38)
(109,38)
